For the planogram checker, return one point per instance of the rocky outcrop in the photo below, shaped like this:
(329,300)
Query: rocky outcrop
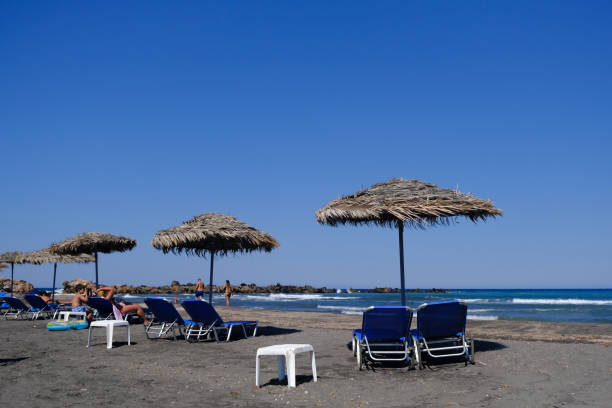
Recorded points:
(397,290)
(19,286)
(177,287)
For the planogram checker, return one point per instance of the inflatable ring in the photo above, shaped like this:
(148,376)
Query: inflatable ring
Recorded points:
(69,325)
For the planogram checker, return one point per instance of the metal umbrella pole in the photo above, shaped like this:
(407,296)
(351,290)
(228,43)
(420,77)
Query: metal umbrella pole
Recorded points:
(210,285)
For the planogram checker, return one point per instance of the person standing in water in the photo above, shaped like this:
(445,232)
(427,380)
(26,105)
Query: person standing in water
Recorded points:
(199,289)
(228,292)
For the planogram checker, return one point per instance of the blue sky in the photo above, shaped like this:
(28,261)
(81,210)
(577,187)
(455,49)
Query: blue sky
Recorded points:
(130,118)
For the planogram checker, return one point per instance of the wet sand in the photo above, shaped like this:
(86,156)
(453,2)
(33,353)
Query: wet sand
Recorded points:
(572,367)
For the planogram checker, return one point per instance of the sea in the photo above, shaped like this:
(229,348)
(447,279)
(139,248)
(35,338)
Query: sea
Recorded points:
(552,305)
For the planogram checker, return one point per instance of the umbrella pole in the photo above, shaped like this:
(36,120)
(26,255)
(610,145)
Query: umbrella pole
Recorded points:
(12,269)
(212,259)
(54,272)
(96,254)
(400,227)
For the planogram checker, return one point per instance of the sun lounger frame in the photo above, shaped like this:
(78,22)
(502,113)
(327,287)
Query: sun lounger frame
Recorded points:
(216,327)
(16,313)
(162,328)
(385,350)
(49,310)
(461,345)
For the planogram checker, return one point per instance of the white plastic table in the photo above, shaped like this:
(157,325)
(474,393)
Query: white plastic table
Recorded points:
(109,325)
(67,314)
(285,360)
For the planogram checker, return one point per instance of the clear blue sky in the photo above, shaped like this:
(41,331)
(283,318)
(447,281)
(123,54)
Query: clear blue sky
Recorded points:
(132,117)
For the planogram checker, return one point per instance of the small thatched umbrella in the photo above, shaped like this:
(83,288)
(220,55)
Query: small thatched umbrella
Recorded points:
(214,234)
(45,256)
(411,202)
(12,258)
(92,243)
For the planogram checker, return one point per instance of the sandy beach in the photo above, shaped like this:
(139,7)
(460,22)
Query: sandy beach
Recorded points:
(572,367)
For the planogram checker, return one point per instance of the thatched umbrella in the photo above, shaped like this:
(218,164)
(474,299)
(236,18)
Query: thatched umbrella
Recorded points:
(400,202)
(213,233)
(45,256)
(12,258)
(92,243)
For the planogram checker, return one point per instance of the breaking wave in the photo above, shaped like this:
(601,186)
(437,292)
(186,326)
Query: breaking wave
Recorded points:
(522,301)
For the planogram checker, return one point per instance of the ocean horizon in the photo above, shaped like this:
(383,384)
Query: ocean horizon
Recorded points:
(552,305)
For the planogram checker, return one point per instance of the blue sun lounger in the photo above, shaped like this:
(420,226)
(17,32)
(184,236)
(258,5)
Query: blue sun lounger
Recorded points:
(104,308)
(207,321)
(440,331)
(3,304)
(17,309)
(384,335)
(165,319)
(41,307)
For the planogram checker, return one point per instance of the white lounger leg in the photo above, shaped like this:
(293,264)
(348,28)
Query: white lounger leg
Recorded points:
(89,337)
(314,366)
(128,332)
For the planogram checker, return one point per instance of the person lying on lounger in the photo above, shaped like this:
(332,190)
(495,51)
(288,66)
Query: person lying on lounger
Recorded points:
(49,300)
(122,307)
(79,299)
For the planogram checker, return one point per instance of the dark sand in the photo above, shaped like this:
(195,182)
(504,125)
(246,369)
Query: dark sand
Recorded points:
(54,369)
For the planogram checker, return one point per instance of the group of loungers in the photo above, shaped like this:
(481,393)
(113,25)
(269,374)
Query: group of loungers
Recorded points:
(14,308)
(204,322)
(385,334)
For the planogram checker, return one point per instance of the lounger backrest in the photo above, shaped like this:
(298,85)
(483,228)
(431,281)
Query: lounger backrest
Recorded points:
(386,322)
(36,301)
(441,319)
(15,303)
(202,312)
(102,305)
(163,310)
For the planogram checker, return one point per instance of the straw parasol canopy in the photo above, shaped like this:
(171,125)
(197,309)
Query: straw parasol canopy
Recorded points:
(45,256)
(400,202)
(11,258)
(213,233)
(92,243)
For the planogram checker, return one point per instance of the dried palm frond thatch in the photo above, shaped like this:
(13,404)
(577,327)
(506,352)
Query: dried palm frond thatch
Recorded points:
(92,242)
(400,202)
(45,256)
(11,258)
(213,232)
(411,202)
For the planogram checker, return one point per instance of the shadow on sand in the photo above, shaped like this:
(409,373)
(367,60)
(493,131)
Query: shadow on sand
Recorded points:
(275,331)
(480,346)
(299,379)
(10,361)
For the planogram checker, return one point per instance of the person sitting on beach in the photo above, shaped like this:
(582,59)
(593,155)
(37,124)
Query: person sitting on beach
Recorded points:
(122,307)
(80,297)
(228,292)
(199,289)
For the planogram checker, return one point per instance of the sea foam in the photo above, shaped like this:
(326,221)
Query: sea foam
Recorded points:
(523,301)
